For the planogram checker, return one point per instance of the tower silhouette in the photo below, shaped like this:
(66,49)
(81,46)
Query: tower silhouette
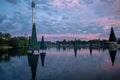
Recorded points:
(112,37)
(33,44)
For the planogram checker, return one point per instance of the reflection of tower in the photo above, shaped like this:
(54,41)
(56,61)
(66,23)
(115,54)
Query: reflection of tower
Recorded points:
(75,47)
(112,53)
(58,46)
(90,50)
(43,48)
(75,51)
(90,47)
(42,55)
(33,61)
(64,47)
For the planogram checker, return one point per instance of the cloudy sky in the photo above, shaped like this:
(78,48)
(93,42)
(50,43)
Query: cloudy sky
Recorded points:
(59,19)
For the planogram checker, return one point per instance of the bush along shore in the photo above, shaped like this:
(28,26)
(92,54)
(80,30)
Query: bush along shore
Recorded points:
(7,41)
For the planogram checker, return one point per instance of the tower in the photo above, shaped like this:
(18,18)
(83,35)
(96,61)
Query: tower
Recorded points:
(33,44)
(112,39)
(33,6)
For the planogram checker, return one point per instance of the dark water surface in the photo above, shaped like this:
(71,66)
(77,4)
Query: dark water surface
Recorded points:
(97,64)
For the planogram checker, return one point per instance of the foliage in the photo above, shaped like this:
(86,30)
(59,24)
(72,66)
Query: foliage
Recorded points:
(16,42)
(79,42)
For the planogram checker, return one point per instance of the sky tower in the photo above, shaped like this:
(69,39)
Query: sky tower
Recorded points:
(33,44)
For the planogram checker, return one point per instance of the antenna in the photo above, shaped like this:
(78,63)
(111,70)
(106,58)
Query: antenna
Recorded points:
(33,6)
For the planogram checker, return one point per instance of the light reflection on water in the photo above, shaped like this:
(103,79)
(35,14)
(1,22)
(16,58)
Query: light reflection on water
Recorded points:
(61,64)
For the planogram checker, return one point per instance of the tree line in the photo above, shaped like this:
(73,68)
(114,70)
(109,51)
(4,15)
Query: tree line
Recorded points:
(79,42)
(7,40)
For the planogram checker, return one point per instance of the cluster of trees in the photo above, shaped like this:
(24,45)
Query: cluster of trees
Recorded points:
(18,42)
(4,38)
(79,42)
(7,40)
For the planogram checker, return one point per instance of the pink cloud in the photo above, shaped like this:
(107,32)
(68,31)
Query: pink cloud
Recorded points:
(108,21)
(57,3)
(107,27)
(68,4)
(97,1)
(116,8)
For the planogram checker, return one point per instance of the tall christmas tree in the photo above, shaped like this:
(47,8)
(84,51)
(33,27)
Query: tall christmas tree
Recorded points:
(112,37)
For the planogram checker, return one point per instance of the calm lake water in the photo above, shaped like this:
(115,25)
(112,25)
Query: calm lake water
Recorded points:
(61,64)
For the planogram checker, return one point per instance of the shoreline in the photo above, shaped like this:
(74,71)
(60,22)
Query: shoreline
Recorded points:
(5,47)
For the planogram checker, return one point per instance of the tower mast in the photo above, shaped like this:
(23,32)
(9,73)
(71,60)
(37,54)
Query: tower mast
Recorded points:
(33,44)
(33,6)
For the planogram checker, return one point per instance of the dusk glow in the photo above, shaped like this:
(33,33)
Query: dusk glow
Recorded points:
(59,39)
(61,19)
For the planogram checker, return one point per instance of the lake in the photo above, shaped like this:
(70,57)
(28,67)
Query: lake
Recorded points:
(60,64)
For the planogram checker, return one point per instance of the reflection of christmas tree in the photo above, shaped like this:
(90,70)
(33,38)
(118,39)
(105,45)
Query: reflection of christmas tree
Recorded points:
(42,55)
(33,61)
(112,55)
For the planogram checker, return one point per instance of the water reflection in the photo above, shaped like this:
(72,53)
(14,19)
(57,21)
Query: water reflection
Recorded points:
(75,52)
(60,65)
(58,47)
(90,49)
(6,54)
(112,53)
(42,55)
(64,48)
(33,62)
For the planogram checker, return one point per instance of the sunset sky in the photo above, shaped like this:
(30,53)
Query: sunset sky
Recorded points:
(61,19)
